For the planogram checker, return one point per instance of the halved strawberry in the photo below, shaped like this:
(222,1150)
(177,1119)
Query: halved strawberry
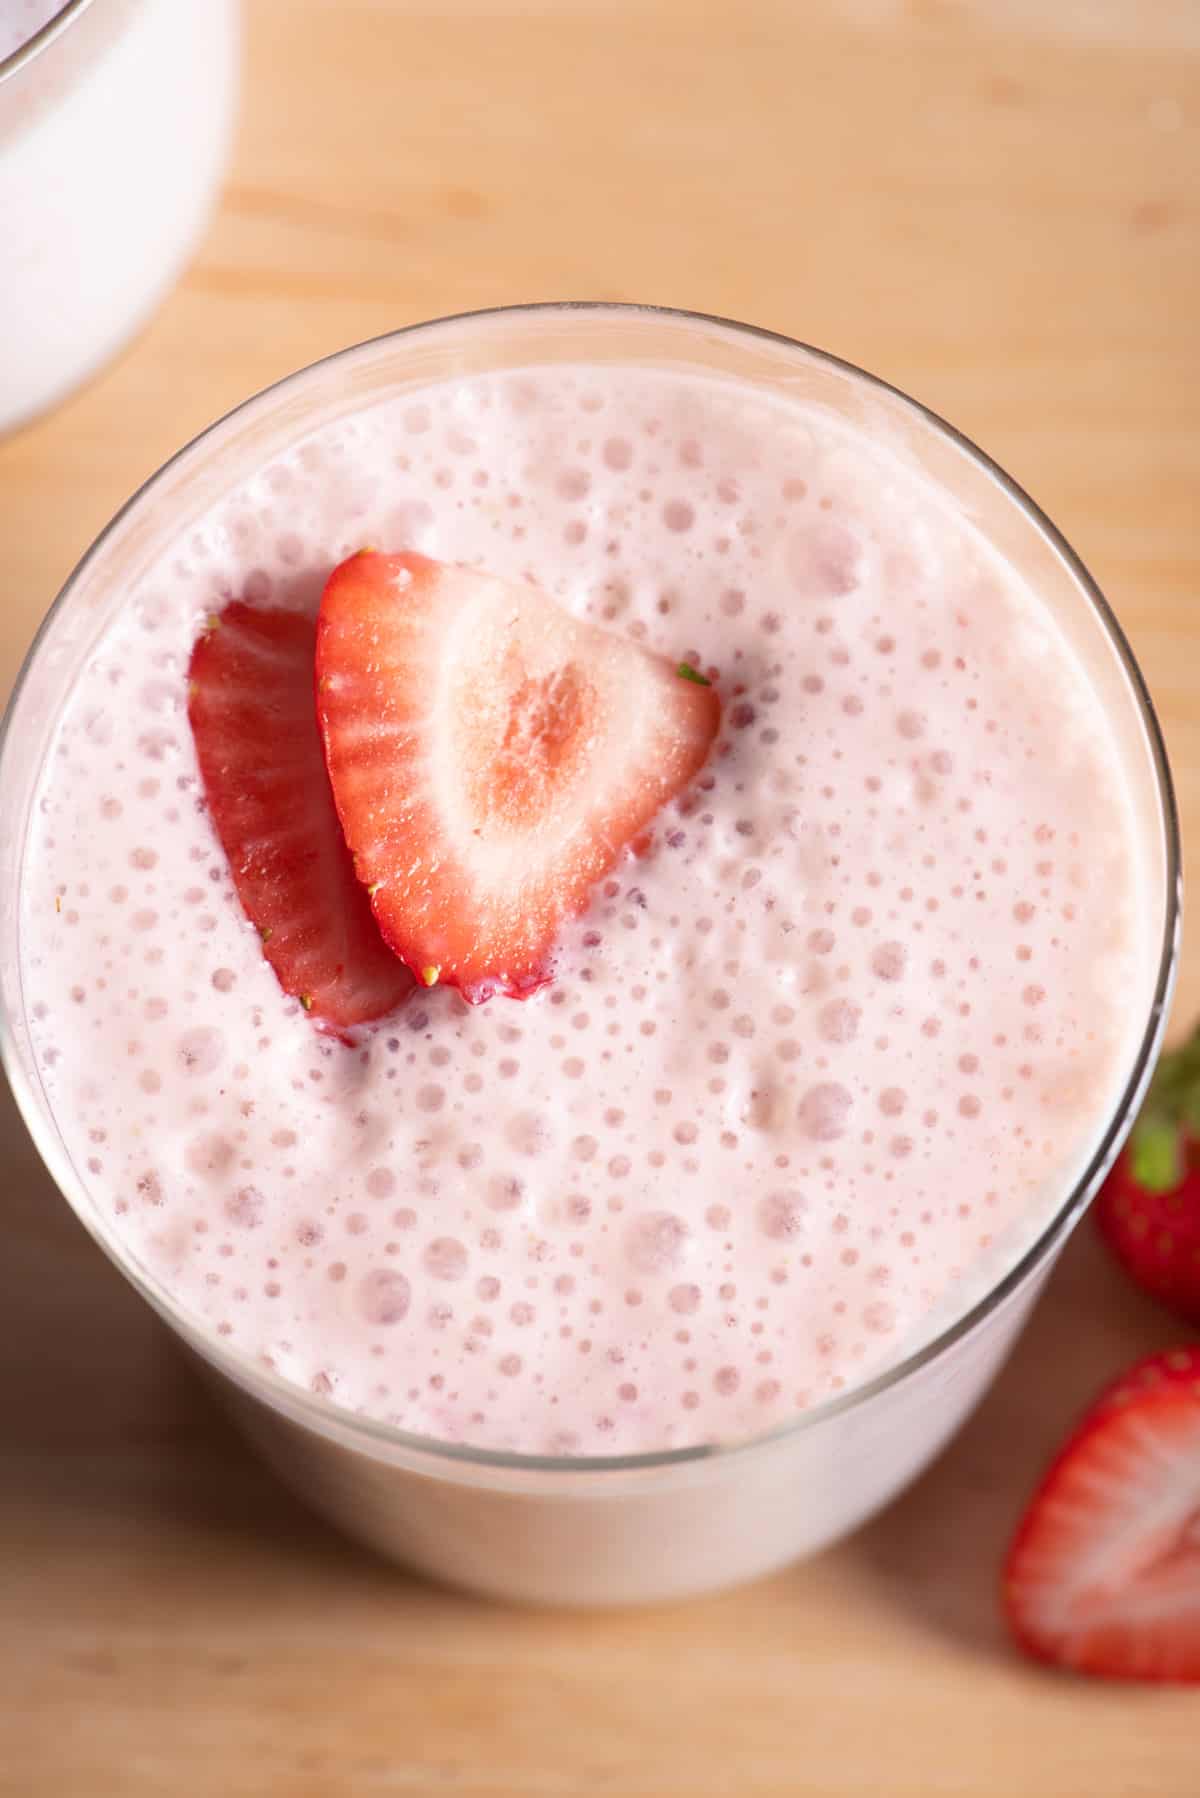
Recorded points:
(491,757)
(250,706)
(1104,1572)
(1149,1207)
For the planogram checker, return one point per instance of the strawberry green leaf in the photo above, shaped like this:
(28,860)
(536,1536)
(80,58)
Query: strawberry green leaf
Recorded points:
(1155,1155)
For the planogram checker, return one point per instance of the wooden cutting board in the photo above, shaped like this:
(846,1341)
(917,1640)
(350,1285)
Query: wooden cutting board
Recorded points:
(995,205)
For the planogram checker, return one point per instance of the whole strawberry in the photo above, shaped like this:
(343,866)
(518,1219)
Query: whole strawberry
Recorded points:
(1149,1207)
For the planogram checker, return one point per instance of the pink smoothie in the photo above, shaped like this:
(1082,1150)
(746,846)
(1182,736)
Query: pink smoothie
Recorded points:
(812,1072)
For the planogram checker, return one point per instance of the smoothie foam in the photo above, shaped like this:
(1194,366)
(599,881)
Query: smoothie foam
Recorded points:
(812,1070)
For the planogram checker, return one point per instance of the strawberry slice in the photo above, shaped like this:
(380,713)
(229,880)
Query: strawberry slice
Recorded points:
(1104,1572)
(1148,1210)
(250,706)
(491,757)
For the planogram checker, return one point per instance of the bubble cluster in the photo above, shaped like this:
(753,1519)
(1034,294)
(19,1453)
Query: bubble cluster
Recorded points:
(833,1034)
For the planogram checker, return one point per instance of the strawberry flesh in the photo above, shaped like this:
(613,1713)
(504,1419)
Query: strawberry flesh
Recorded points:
(1149,1208)
(1103,1575)
(491,758)
(250,706)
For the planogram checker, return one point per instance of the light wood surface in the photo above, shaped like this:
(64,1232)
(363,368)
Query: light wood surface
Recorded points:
(995,205)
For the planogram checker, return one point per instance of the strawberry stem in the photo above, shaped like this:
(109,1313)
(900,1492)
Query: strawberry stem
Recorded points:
(685,671)
(1171,1112)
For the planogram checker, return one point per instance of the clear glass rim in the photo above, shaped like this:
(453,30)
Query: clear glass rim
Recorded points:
(53,29)
(248,1374)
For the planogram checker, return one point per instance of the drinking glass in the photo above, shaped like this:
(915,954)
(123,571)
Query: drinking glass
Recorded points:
(602,1530)
(115,121)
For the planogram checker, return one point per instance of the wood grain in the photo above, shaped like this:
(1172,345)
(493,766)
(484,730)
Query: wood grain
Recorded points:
(993,204)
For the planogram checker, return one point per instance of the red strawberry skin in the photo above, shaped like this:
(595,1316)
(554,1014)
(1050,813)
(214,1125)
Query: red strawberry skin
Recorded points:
(1103,1576)
(254,723)
(491,758)
(1148,1210)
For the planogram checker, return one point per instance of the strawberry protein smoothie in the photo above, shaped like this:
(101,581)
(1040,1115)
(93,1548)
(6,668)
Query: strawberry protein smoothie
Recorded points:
(833,960)
(803,1063)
